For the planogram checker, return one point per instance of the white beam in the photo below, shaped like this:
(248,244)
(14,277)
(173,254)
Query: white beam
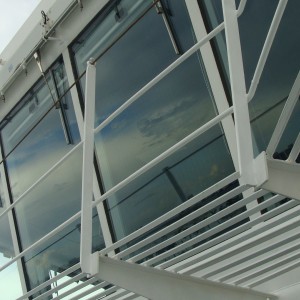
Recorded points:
(158,284)
(284,178)
(86,257)
(284,117)
(253,172)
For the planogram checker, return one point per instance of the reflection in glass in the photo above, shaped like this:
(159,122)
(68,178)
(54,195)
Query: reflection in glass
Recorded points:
(175,107)
(281,66)
(194,168)
(46,143)
(10,285)
(40,134)
(59,253)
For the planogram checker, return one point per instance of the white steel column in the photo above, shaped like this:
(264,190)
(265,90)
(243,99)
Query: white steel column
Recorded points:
(87,264)
(157,284)
(76,103)
(247,164)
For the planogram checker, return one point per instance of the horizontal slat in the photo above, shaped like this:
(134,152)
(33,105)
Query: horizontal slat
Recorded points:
(291,258)
(274,274)
(75,289)
(231,234)
(49,282)
(216,230)
(63,285)
(247,246)
(258,263)
(209,191)
(238,190)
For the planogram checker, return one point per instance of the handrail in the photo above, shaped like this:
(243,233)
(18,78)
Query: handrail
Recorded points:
(284,116)
(241,7)
(266,48)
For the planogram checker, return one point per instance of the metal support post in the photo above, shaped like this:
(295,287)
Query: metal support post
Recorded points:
(247,164)
(88,261)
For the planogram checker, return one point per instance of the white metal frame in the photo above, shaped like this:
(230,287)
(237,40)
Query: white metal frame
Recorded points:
(188,262)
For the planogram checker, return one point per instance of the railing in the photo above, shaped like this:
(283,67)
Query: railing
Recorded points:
(88,259)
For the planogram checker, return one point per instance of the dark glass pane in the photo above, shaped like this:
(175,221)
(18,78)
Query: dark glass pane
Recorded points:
(10,285)
(189,171)
(44,145)
(281,67)
(40,134)
(52,201)
(60,252)
(27,113)
(169,111)
(172,109)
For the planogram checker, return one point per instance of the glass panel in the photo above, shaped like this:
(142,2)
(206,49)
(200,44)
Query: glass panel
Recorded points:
(289,135)
(52,201)
(26,114)
(10,285)
(207,165)
(172,109)
(280,70)
(44,145)
(119,70)
(59,253)
(37,135)
(197,166)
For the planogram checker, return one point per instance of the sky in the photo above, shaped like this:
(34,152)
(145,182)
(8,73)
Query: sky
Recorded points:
(13,14)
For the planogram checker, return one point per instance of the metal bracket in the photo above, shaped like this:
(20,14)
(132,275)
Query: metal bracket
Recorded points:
(260,169)
(46,22)
(161,10)
(80,4)
(2,97)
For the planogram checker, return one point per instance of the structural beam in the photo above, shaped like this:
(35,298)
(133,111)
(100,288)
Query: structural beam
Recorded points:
(283,179)
(253,171)
(158,284)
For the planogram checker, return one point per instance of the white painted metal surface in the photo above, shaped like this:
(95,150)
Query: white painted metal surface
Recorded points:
(87,263)
(252,253)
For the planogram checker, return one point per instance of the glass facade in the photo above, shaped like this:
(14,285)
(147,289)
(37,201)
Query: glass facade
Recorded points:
(132,43)
(172,109)
(36,135)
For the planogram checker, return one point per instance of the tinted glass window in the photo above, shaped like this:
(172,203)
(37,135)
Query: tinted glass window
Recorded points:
(172,109)
(281,68)
(37,134)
